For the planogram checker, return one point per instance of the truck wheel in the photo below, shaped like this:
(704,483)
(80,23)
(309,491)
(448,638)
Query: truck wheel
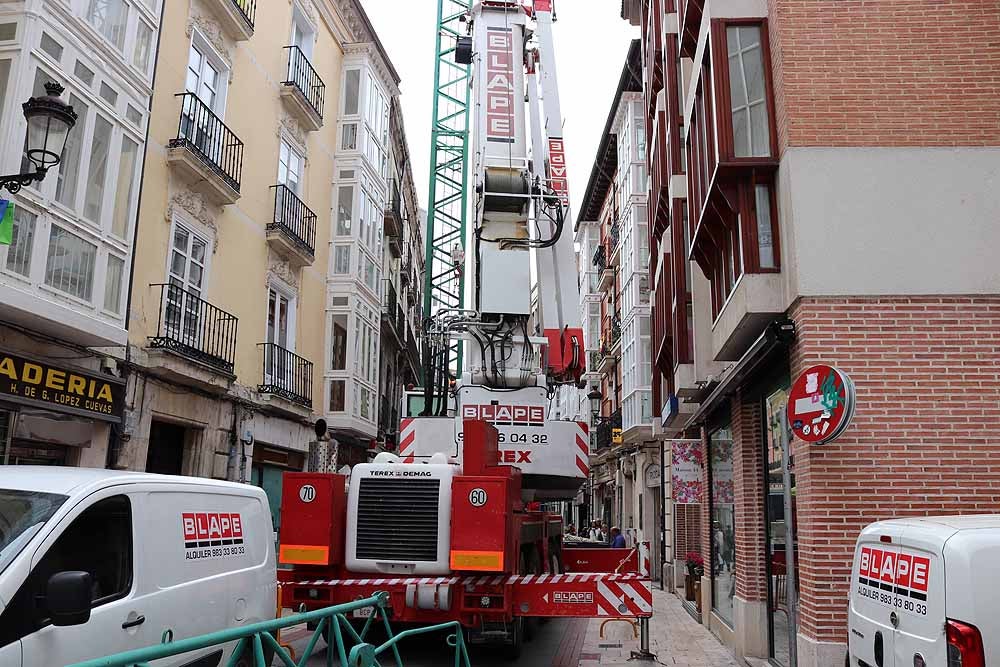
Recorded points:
(512,650)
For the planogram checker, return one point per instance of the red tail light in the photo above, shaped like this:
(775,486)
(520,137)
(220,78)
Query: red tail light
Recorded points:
(965,645)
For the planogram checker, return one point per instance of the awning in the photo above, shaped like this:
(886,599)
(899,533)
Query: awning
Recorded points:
(777,336)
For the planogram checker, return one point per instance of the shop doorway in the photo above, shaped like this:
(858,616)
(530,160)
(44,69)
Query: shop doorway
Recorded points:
(776,523)
(166,448)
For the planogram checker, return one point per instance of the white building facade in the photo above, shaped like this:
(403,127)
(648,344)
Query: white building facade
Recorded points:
(64,278)
(355,287)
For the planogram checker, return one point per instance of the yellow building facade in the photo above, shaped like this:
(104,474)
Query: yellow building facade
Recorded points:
(229,297)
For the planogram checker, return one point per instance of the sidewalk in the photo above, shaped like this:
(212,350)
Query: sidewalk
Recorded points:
(675,638)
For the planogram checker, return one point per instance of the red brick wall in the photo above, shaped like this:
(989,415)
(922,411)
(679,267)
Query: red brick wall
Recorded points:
(924,439)
(888,73)
(748,474)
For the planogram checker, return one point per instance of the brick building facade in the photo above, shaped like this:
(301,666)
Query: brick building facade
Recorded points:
(822,189)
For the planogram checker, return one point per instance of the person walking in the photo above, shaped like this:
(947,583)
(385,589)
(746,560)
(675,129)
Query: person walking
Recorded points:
(617,539)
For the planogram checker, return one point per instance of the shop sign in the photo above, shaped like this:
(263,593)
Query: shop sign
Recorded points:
(616,436)
(686,471)
(652,476)
(821,404)
(37,383)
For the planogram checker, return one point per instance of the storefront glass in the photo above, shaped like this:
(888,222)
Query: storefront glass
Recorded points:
(778,630)
(723,529)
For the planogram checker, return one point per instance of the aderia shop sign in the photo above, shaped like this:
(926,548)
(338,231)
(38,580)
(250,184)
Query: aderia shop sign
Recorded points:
(38,383)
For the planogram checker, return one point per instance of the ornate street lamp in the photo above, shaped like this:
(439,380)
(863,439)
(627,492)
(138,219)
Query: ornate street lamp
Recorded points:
(49,122)
(595,397)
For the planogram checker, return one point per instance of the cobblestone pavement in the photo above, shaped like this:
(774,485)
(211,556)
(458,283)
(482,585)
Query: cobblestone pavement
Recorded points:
(676,639)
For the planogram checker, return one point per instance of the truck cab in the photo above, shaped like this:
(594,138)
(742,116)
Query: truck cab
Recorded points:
(923,593)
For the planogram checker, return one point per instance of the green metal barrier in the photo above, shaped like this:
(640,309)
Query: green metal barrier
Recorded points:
(331,622)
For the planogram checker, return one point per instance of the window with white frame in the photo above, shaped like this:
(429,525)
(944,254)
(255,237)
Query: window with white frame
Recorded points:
(342,259)
(207,75)
(143,46)
(110,18)
(281,317)
(22,242)
(345,209)
(113,279)
(70,264)
(290,163)
(377,127)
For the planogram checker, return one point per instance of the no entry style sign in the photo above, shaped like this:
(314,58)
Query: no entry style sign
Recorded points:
(821,404)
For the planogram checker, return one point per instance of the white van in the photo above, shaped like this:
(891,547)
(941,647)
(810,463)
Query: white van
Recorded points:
(924,593)
(95,562)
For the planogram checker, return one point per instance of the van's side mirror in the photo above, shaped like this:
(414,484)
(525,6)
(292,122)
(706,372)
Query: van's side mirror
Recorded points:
(68,598)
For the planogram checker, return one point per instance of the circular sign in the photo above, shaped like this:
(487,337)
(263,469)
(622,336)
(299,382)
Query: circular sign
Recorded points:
(821,404)
(307,493)
(478,497)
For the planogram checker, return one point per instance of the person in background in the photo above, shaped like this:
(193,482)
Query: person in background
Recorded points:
(595,532)
(617,539)
(571,529)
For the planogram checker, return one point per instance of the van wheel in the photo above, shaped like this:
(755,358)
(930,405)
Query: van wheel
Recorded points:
(246,659)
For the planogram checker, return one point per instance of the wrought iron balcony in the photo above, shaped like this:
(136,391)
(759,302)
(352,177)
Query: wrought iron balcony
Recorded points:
(607,428)
(192,327)
(207,151)
(616,332)
(303,89)
(293,229)
(600,258)
(236,17)
(286,375)
(392,312)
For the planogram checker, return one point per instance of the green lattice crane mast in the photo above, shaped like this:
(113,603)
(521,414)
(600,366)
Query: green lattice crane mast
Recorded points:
(444,282)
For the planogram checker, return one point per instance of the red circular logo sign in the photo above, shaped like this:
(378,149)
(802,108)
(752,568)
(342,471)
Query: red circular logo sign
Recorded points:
(820,404)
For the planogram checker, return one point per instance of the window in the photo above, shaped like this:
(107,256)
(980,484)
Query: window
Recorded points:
(338,395)
(69,168)
(125,187)
(289,167)
(203,78)
(108,560)
(22,242)
(109,17)
(70,266)
(108,94)
(186,274)
(134,116)
(723,529)
(765,231)
(342,259)
(747,90)
(113,285)
(51,46)
(345,209)
(352,84)
(85,74)
(303,34)
(280,319)
(97,174)
(143,46)
(338,345)
(368,273)
(349,142)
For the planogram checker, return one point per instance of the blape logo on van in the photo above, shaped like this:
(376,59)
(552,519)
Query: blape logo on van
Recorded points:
(212,535)
(895,572)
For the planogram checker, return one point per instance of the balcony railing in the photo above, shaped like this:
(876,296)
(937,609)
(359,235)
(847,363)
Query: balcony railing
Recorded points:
(247,9)
(606,427)
(204,133)
(304,78)
(600,258)
(294,219)
(616,331)
(286,374)
(194,328)
(392,311)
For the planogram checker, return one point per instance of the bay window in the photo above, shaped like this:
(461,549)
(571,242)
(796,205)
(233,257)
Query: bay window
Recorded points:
(345,209)
(22,242)
(732,219)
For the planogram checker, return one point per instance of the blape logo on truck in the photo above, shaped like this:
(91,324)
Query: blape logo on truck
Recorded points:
(212,535)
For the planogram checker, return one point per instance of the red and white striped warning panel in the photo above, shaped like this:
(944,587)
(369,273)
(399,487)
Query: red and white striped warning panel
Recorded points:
(587,595)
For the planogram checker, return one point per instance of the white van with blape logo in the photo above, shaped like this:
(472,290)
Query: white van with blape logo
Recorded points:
(96,562)
(924,593)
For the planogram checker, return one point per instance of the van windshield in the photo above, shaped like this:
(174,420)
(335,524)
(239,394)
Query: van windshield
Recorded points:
(22,514)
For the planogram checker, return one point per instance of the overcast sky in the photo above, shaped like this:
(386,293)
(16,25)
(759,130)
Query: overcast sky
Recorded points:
(591,44)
